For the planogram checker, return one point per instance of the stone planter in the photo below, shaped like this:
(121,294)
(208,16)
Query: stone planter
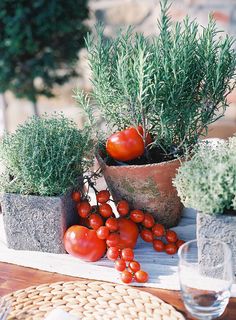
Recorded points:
(147,187)
(218,227)
(37,223)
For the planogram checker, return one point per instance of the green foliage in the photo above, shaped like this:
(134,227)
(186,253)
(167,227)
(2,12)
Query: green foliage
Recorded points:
(207,182)
(174,84)
(39,40)
(45,156)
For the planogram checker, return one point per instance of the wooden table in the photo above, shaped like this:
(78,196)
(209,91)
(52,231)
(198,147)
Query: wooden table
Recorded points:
(14,277)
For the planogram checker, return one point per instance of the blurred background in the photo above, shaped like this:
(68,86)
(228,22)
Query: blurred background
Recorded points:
(33,33)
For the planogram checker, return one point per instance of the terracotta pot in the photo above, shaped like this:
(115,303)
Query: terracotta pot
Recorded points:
(147,187)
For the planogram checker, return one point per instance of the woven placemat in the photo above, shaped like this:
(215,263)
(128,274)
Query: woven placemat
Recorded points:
(89,300)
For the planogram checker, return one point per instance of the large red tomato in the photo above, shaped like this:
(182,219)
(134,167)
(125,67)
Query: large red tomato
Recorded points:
(128,232)
(125,145)
(83,243)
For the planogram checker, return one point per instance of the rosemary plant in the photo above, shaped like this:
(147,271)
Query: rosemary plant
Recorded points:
(174,84)
(45,156)
(207,182)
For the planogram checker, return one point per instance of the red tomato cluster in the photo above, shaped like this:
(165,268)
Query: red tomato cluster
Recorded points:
(116,236)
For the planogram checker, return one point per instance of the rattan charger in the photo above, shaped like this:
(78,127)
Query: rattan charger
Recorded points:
(89,300)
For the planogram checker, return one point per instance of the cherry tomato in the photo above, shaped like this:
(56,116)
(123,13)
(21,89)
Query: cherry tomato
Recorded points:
(125,145)
(95,221)
(134,266)
(113,253)
(126,276)
(148,221)
(103,196)
(179,243)
(158,230)
(170,248)
(83,208)
(137,216)
(171,236)
(112,224)
(127,254)
(146,235)
(129,233)
(105,210)
(148,136)
(76,196)
(123,207)
(141,276)
(120,265)
(103,232)
(158,245)
(113,240)
(83,243)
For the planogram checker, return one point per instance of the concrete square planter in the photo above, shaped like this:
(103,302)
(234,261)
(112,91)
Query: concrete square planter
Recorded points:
(37,223)
(218,227)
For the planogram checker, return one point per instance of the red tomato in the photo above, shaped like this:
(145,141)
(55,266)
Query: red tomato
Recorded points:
(171,236)
(105,210)
(125,145)
(83,243)
(158,245)
(170,248)
(129,233)
(83,208)
(95,221)
(103,196)
(123,207)
(148,221)
(146,235)
(103,232)
(113,240)
(76,196)
(112,224)
(148,136)
(141,276)
(127,254)
(134,266)
(120,265)
(158,230)
(113,253)
(137,216)
(126,276)
(179,243)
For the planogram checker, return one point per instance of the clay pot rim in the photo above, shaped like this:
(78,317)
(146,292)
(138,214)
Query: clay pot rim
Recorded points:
(159,164)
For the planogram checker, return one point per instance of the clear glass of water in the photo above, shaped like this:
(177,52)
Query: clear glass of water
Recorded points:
(206,276)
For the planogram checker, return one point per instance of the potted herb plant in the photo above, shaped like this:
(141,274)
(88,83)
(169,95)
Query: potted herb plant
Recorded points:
(207,183)
(43,161)
(167,88)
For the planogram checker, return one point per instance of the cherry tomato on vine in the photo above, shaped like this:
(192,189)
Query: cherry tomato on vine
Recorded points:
(141,276)
(76,196)
(148,221)
(170,248)
(171,236)
(113,253)
(113,240)
(95,221)
(105,210)
(125,145)
(112,224)
(134,266)
(179,243)
(137,216)
(83,208)
(129,233)
(146,235)
(120,265)
(103,232)
(158,245)
(158,230)
(123,207)
(127,254)
(103,196)
(126,276)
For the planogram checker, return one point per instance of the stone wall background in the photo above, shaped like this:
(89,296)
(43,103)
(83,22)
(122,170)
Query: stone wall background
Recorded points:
(143,14)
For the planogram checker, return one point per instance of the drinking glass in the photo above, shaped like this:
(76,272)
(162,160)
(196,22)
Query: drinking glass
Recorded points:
(206,276)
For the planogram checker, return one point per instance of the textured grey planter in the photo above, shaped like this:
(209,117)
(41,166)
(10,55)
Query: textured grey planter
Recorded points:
(220,227)
(37,223)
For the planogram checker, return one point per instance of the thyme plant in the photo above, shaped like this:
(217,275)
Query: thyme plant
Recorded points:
(174,84)
(208,181)
(45,156)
